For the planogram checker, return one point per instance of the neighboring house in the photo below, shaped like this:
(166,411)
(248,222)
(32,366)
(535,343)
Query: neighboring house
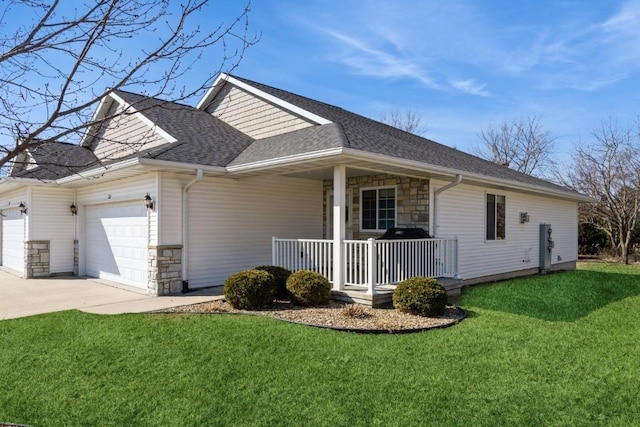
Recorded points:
(256,175)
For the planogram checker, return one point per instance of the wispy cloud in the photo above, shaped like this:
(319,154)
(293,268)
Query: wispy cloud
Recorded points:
(470,87)
(371,61)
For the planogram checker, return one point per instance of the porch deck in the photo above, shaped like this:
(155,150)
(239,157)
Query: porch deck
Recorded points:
(371,268)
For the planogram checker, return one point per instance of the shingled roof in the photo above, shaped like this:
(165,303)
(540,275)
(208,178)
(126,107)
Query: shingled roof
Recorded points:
(364,134)
(206,140)
(201,138)
(56,160)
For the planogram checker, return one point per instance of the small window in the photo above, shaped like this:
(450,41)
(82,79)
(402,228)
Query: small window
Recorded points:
(378,208)
(496,213)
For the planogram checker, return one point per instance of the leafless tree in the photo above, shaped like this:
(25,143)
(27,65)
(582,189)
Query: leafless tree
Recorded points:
(521,144)
(409,121)
(608,169)
(59,59)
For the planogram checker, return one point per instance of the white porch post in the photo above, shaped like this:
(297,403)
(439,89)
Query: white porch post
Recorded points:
(371,266)
(339,213)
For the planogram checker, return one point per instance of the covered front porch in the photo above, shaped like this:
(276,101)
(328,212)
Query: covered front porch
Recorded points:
(366,271)
(362,198)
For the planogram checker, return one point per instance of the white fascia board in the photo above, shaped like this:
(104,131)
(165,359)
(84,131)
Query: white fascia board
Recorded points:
(25,181)
(215,88)
(140,162)
(144,119)
(98,171)
(17,159)
(103,107)
(296,158)
(218,170)
(13,183)
(466,175)
(212,91)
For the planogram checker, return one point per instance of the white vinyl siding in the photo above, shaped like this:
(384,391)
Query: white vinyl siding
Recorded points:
(461,213)
(232,222)
(123,135)
(170,208)
(252,115)
(51,220)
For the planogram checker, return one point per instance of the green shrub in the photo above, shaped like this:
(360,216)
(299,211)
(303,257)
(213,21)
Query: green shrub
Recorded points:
(422,296)
(280,274)
(249,289)
(308,288)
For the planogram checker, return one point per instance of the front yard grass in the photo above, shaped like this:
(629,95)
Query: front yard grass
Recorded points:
(560,349)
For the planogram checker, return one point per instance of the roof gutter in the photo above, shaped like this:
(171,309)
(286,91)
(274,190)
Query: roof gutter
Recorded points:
(389,160)
(139,161)
(436,202)
(185,230)
(280,161)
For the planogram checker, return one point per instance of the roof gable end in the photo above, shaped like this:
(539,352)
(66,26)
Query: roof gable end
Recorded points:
(226,78)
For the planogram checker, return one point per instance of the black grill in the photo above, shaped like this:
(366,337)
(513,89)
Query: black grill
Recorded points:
(404,233)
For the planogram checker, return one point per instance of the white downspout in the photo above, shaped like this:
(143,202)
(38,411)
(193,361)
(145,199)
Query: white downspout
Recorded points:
(185,230)
(436,193)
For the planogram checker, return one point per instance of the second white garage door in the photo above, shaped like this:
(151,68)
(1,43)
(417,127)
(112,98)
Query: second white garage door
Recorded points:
(116,243)
(13,240)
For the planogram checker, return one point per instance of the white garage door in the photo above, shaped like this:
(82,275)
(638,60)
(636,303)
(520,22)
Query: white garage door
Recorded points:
(13,240)
(116,243)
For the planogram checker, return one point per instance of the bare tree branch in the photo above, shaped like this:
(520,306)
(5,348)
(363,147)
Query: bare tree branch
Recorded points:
(56,67)
(409,121)
(521,144)
(608,168)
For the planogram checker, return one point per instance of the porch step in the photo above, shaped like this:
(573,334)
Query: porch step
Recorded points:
(453,286)
(384,296)
(359,296)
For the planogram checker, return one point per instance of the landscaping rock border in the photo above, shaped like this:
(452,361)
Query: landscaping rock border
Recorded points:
(332,316)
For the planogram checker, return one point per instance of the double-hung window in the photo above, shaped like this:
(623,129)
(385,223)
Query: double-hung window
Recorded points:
(496,213)
(378,206)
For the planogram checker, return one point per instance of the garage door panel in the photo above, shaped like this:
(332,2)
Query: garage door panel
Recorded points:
(117,242)
(13,240)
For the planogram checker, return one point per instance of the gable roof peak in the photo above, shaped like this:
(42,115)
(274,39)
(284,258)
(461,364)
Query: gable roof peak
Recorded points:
(252,88)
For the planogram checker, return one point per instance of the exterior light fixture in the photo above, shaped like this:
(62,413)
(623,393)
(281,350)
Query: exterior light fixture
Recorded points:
(74,209)
(23,208)
(148,202)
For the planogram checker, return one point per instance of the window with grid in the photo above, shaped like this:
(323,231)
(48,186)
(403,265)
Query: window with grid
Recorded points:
(378,208)
(496,217)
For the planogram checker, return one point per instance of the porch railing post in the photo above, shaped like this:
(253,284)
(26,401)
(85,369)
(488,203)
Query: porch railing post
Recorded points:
(455,257)
(371,266)
(273,250)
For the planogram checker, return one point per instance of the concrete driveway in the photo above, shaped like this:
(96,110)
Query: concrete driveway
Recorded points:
(27,297)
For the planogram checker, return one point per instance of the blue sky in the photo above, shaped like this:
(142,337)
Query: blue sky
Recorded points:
(460,65)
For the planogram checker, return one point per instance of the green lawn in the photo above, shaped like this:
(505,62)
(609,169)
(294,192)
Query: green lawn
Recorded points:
(561,349)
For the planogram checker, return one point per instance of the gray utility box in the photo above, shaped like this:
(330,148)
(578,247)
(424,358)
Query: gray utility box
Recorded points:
(546,247)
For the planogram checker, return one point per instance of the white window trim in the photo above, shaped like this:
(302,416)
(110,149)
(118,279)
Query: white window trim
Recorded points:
(496,219)
(395,213)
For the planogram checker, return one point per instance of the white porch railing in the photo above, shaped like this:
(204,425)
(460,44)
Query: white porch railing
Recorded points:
(304,254)
(394,260)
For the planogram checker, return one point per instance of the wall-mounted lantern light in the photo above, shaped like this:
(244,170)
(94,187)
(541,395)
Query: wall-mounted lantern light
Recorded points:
(74,209)
(23,208)
(524,217)
(148,202)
